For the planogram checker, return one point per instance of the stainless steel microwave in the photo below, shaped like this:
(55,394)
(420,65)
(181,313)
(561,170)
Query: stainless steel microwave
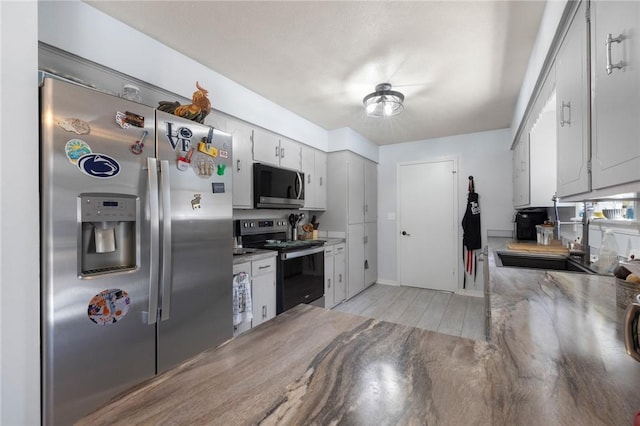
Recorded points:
(276,188)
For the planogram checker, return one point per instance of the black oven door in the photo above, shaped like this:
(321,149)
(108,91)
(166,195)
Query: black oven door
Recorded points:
(300,278)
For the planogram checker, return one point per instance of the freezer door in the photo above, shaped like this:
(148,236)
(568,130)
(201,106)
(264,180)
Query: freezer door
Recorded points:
(96,341)
(196,239)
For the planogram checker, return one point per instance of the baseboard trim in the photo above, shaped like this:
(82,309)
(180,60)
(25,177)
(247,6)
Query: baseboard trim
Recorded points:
(473,293)
(388,282)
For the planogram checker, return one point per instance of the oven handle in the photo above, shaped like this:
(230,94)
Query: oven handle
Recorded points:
(295,254)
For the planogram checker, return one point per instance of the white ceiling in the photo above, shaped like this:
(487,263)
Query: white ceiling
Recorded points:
(460,64)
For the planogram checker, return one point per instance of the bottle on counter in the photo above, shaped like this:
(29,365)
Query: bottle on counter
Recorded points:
(608,253)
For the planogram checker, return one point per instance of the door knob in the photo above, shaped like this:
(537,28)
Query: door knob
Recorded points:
(405,233)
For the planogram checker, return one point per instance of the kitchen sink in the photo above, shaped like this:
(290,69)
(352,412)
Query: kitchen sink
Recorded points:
(554,262)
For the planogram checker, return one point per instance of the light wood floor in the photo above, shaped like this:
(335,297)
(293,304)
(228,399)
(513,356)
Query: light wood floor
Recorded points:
(439,311)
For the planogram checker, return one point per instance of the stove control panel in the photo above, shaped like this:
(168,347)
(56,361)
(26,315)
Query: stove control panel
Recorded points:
(260,226)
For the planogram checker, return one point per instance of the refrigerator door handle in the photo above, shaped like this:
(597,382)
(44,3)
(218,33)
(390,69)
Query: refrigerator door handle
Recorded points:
(165,279)
(154,216)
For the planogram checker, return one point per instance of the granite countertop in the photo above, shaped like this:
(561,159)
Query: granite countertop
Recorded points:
(256,254)
(556,356)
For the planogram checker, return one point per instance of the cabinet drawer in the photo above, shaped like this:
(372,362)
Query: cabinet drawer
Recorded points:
(265,266)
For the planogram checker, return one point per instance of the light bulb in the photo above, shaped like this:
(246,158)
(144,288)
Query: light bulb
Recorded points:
(371,107)
(388,108)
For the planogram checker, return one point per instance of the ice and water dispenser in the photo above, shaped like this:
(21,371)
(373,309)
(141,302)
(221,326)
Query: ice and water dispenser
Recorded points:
(108,233)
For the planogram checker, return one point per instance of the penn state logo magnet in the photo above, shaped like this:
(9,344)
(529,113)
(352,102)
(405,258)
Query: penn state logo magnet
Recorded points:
(99,166)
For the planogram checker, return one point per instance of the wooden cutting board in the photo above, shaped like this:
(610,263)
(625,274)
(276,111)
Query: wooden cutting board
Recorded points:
(538,248)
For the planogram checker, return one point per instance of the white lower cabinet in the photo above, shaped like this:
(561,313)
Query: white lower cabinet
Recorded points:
(335,289)
(263,291)
(339,277)
(329,277)
(263,286)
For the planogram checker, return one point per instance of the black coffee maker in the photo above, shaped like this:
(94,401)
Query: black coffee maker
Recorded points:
(526,221)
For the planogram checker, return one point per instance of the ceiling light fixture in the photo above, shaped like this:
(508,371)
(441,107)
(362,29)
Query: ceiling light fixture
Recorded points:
(384,102)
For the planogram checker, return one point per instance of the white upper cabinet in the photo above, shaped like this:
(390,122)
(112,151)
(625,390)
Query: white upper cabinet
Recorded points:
(314,167)
(615,41)
(356,189)
(521,172)
(266,147)
(370,191)
(572,106)
(290,154)
(242,164)
(272,149)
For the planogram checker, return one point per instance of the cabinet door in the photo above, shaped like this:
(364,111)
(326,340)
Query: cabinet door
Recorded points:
(329,280)
(321,180)
(521,168)
(370,191)
(242,164)
(340,280)
(266,148)
(355,259)
(616,92)
(264,289)
(264,298)
(308,168)
(370,253)
(355,189)
(290,152)
(572,97)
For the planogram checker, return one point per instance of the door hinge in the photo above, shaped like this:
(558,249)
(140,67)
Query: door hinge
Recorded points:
(589,166)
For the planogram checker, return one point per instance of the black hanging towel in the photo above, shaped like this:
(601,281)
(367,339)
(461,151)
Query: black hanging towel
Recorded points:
(471,237)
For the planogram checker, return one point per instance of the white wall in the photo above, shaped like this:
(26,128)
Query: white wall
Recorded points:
(19,227)
(548,25)
(485,156)
(349,139)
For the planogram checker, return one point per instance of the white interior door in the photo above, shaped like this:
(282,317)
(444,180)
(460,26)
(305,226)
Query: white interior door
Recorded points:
(428,232)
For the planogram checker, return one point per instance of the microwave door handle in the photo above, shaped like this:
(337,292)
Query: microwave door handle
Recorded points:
(299,181)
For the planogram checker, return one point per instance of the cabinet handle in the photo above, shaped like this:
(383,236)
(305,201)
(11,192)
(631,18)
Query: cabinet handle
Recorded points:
(562,120)
(610,66)
(238,165)
(264,311)
(264,267)
(320,180)
(339,278)
(366,208)
(277,151)
(281,152)
(328,282)
(309,179)
(366,239)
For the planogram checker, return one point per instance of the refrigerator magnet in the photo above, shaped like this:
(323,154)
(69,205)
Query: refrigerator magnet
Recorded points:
(121,119)
(136,148)
(99,166)
(75,125)
(134,119)
(223,154)
(109,306)
(203,166)
(195,203)
(76,148)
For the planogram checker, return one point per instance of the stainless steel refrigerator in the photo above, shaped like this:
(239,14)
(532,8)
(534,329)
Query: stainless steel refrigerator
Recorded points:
(136,240)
